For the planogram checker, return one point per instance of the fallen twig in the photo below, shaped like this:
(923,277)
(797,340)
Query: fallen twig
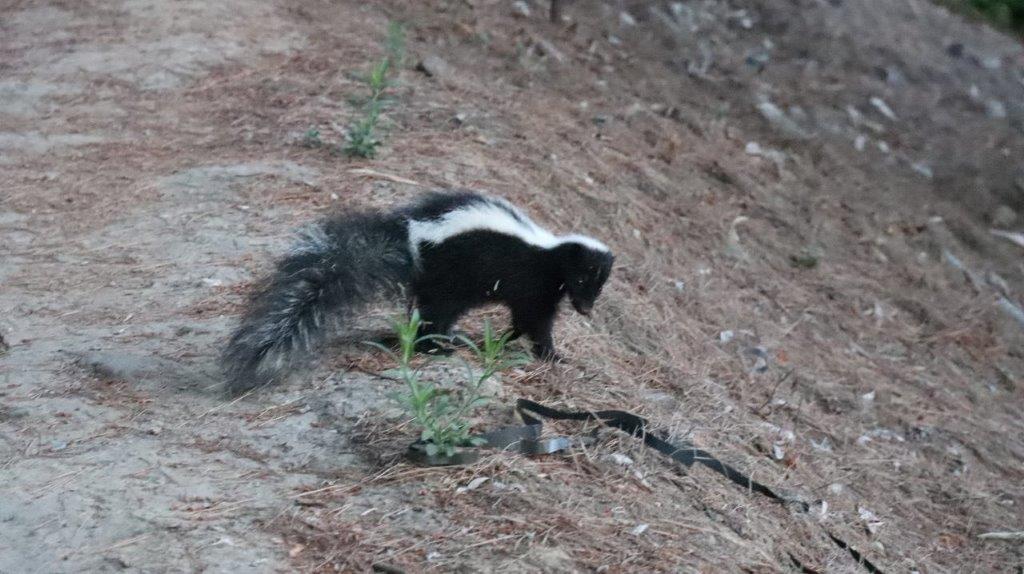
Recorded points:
(380,175)
(1002,535)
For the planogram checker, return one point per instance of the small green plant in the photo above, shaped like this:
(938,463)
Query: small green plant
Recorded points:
(378,80)
(1006,14)
(807,258)
(361,137)
(311,138)
(396,43)
(441,414)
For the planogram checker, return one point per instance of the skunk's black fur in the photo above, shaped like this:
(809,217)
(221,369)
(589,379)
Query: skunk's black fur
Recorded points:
(352,259)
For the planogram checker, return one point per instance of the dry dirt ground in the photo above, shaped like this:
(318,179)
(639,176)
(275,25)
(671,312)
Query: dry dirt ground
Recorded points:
(809,182)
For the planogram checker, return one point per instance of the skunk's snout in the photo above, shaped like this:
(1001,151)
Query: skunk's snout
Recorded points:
(582,308)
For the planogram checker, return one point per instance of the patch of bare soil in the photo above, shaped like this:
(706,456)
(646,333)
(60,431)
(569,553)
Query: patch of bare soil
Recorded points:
(806,184)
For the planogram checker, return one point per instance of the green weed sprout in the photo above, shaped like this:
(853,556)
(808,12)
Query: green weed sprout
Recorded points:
(396,43)
(361,137)
(441,415)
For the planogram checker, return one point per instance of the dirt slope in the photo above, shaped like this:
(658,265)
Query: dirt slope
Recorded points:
(152,167)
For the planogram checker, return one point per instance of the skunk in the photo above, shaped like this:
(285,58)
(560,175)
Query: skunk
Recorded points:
(451,251)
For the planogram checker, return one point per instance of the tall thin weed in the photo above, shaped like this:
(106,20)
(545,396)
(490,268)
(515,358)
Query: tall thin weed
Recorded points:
(361,137)
(442,414)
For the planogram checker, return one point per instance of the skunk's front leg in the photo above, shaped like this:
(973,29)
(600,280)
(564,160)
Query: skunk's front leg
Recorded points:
(537,324)
(438,318)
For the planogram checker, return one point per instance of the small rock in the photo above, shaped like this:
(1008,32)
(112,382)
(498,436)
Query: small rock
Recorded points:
(871,521)
(760,355)
(893,76)
(549,49)
(499,485)
(758,60)
(880,434)
(805,259)
(858,119)
(1004,216)
(992,62)
(824,445)
(491,388)
(726,336)
(626,19)
(883,108)
(472,485)
(923,169)
(995,109)
(775,116)
(776,156)
(435,67)
(866,514)
(860,142)
(733,246)
(620,459)
(521,8)
(996,280)
(639,529)
(1017,238)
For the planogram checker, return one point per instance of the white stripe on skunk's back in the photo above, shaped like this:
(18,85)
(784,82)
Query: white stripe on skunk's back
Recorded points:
(492,214)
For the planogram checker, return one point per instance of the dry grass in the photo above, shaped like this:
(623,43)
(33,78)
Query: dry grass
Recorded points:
(926,453)
(933,453)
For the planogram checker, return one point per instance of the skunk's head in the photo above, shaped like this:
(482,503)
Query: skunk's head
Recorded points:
(586,266)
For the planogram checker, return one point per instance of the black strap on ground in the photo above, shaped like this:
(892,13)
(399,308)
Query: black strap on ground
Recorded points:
(525,439)
(687,455)
(856,555)
(636,426)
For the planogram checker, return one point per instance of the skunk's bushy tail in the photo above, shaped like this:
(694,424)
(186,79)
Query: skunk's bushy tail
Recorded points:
(336,266)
